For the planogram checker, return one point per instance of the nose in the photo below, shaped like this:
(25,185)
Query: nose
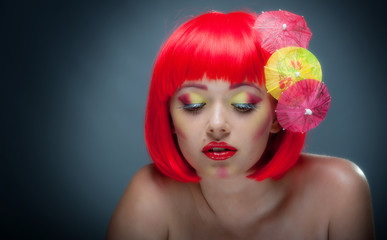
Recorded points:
(218,127)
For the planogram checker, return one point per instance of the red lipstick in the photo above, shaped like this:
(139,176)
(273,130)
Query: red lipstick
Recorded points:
(219,151)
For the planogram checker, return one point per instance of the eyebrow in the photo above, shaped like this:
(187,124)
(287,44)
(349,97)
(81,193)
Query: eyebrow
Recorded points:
(204,87)
(245,84)
(195,85)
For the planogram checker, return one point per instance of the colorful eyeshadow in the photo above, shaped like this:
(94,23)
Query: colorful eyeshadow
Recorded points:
(245,97)
(191,98)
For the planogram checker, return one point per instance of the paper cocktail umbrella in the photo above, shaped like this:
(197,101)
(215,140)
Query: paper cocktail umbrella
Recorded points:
(289,65)
(278,29)
(303,105)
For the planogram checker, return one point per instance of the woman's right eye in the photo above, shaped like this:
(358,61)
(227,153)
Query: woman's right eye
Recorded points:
(192,102)
(193,107)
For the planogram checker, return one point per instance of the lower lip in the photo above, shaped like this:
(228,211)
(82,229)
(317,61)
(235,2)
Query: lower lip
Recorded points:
(220,156)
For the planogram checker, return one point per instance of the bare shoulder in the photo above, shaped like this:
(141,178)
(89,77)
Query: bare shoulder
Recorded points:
(144,204)
(332,169)
(334,177)
(343,188)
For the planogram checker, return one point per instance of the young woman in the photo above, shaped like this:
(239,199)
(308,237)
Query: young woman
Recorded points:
(223,166)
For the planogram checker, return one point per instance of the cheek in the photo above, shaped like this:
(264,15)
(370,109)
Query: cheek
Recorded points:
(179,124)
(180,133)
(263,128)
(183,125)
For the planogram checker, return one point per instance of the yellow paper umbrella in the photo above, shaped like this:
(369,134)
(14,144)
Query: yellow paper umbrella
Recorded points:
(289,65)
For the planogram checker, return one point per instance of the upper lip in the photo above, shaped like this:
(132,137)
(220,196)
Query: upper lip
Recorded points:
(222,145)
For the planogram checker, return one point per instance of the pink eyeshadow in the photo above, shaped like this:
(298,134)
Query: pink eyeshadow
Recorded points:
(185,99)
(253,98)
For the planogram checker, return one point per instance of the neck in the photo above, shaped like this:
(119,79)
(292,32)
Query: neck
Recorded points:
(239,199)
(236,186)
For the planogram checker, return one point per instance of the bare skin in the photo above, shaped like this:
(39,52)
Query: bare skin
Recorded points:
(319,198)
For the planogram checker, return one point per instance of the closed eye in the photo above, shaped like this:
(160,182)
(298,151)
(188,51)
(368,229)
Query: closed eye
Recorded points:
(193,107)
(244,107)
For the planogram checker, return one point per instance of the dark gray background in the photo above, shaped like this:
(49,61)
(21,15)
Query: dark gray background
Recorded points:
(74,79)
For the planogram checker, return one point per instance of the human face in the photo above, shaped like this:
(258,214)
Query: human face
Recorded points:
(222,129)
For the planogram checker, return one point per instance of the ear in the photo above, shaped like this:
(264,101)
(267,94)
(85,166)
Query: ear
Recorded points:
(275,126)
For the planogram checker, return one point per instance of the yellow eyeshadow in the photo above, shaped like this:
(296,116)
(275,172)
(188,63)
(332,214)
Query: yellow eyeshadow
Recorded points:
(242,97)
(196,98)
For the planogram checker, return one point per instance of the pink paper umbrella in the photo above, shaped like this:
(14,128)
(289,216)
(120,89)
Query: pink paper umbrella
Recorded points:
(303,105)
(278,29)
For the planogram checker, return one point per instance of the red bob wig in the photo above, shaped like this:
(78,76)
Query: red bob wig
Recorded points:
(218,46)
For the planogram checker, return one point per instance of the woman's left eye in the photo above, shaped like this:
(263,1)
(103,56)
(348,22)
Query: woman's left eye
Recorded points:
(244,107)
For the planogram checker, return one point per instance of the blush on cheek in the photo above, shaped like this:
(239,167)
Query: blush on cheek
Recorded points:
(262,130)
(180,133)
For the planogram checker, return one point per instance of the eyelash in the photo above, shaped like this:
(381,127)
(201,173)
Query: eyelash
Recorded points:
(240,107)
(244,107)
(194,107)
